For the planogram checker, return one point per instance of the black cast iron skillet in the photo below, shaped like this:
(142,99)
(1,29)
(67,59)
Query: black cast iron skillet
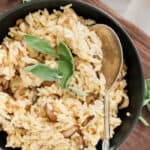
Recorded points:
(134,76)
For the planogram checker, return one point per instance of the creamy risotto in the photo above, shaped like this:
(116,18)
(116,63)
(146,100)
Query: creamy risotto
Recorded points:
(38,114)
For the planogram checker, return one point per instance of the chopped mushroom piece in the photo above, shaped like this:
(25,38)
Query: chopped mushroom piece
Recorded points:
(47,83)
(28,107)
(50,113)
(79,142)
(19,21)
(82,138)
(91,98)
(19,93)
(55,96)
(2,75)
(70,131)
(87,120)
(35,97)
(124,103)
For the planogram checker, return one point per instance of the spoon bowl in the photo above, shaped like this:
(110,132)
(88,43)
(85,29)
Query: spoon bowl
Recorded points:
(112,53)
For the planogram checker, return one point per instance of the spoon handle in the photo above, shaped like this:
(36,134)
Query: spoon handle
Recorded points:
(105,143)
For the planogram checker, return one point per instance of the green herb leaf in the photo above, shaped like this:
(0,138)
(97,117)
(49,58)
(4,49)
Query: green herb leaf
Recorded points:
(65,68)
(146,101)
(141,118)
(65,64)
(65,53)
(147,88)
(44,72)
(78,91)
(147,94)
(39,45)
(24,1)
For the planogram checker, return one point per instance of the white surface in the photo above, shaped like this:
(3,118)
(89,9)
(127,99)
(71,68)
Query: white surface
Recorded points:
(137,11)
(119,5)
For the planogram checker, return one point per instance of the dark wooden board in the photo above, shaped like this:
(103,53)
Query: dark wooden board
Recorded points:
(139,139)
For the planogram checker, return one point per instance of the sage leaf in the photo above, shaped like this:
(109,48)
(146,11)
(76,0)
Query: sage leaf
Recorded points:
(143,121)
(24,1)
(78,91)
(65,53)
(65,68)
(44,72)
(65,64)
(147,94)
(39,45)
(147,89)
(146,101)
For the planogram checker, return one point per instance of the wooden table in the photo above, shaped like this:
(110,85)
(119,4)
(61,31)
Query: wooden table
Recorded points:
(139,139)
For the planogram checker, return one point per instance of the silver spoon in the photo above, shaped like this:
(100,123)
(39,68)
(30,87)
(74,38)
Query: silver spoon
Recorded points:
(112,64)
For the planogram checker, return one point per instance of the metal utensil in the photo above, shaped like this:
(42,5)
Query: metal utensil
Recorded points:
(112,63)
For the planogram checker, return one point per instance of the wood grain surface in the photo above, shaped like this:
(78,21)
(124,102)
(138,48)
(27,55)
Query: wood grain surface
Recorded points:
(139,139)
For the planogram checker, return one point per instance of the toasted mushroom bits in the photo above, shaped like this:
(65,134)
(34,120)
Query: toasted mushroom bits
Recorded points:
(70,131)
(91,98)
(124,103)
(87,120)
(50,113)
